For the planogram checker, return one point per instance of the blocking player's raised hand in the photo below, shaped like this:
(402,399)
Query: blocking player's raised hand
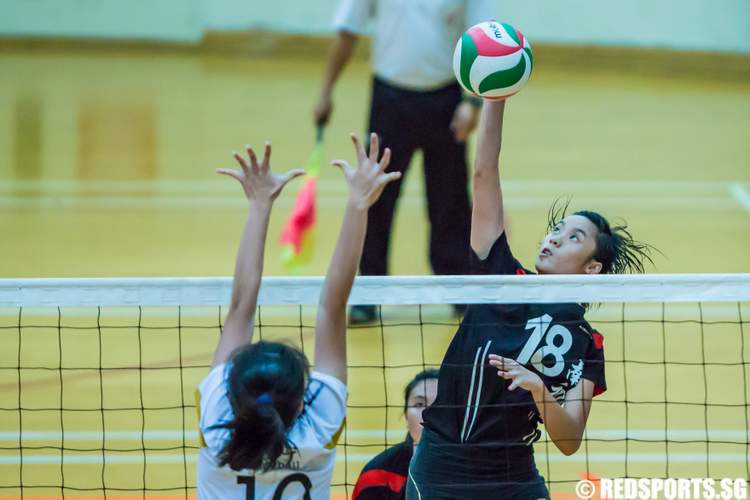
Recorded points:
(256,178)
(261,187)
(368,180)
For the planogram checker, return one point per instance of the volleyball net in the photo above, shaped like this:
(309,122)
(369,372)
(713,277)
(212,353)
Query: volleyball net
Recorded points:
(98,376)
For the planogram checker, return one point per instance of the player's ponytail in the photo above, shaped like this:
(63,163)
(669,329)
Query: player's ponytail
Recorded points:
(266,385)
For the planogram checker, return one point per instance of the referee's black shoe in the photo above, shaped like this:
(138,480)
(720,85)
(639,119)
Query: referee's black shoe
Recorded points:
(359,315)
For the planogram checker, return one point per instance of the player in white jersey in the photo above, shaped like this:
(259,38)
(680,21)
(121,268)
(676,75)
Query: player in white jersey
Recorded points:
(268,426)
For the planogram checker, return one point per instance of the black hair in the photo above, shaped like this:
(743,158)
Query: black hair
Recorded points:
(430,373)
(616,248)
(266,386)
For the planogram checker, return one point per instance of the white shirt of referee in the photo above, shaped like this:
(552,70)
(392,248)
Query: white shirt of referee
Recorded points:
(307,471)
(413,40)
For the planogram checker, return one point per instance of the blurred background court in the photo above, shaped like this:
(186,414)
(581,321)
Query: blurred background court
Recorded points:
(113,119)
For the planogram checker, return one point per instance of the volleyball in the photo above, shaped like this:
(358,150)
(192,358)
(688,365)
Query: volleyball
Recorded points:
(492,60)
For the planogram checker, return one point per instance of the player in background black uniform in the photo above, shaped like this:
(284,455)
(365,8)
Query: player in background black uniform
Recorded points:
(510,367)
(384,477)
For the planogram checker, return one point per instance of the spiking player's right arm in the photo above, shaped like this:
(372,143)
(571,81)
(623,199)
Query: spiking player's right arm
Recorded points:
(487,222)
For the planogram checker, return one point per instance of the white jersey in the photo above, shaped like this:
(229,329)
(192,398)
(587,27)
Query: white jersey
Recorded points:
(413,40)
(305,475)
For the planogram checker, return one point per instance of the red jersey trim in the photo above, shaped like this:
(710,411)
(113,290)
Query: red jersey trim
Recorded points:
(598,343)
(598,339)
(378,477)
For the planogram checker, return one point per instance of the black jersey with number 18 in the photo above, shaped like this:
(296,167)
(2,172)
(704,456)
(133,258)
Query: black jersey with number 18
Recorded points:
(473,404)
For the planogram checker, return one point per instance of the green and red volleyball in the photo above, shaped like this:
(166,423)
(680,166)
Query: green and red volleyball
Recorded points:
(492,60)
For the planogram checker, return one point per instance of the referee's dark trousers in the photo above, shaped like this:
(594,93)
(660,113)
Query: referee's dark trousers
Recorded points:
(408,120)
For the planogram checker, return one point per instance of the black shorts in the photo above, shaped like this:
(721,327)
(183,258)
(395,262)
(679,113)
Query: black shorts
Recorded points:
(441,469)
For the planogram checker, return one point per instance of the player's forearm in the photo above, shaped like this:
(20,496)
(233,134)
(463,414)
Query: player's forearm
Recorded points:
(489,138)
(487,210)
(249,265)
(330,327)
(565,430)
(341,53)
(346,256)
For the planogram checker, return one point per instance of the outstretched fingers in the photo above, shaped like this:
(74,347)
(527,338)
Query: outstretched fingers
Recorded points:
(253,165)
(385,160)
(296,172)
(242,162)
(344,166)
(374,147)
(264,166)
(508,369)
(235,174)
(496,359)
(503,365)
(389,177)
(253,159)
(361,155)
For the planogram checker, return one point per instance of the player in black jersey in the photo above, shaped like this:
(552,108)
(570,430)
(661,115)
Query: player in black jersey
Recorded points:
(510,367)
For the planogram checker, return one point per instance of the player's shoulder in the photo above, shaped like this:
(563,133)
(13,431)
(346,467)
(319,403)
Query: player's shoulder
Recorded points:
(591,334)
(496,258)
(319,380)
(598,338)
(214,378)
(323,389)
(322,420)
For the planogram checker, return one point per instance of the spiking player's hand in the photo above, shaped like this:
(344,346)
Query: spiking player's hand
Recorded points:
(368,180)
(257,180)
(520,376)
